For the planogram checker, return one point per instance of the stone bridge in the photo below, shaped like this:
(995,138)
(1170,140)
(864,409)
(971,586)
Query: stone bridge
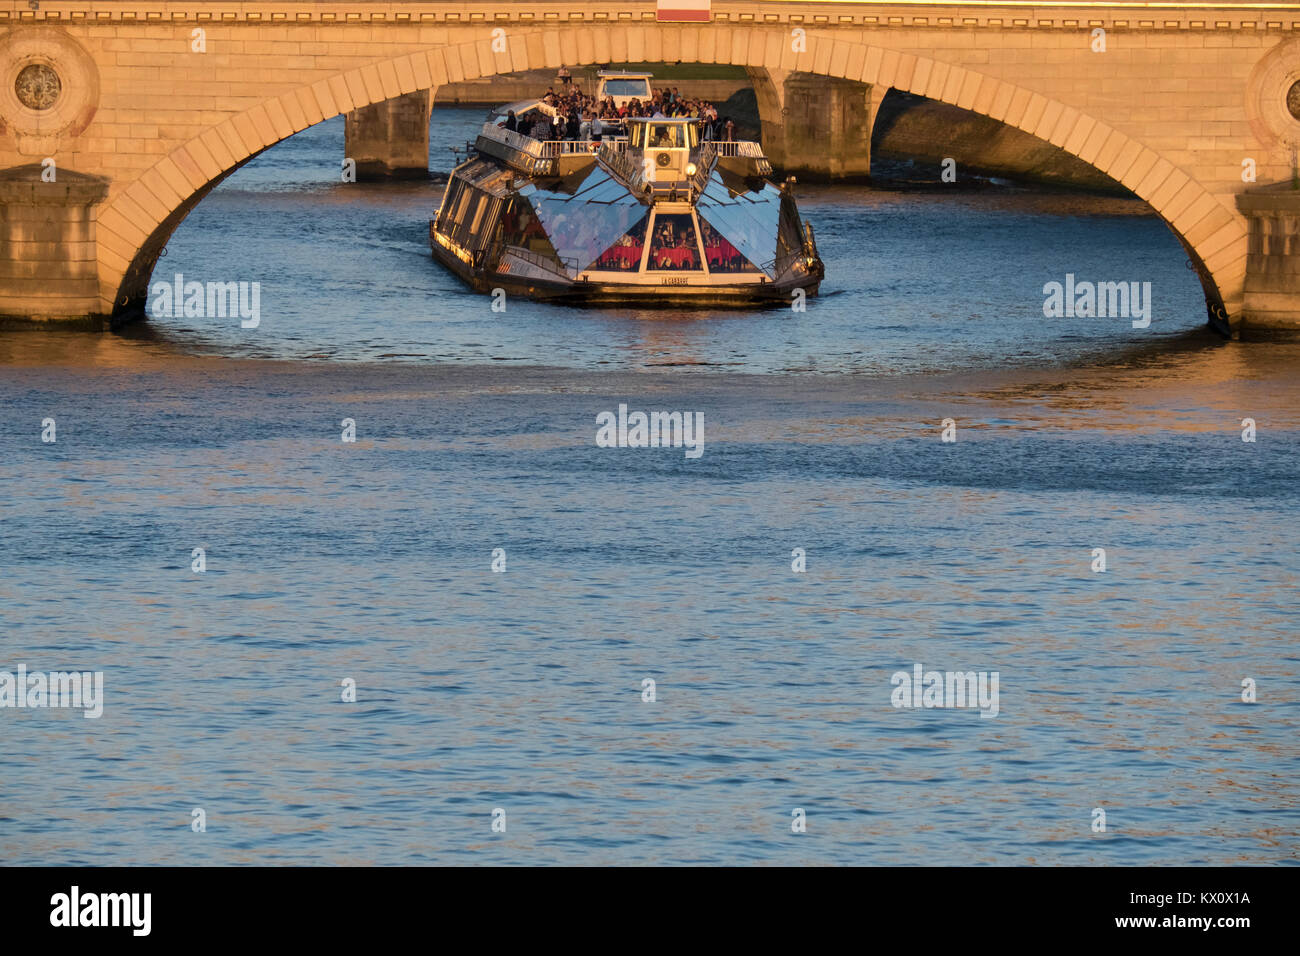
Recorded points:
(118,116)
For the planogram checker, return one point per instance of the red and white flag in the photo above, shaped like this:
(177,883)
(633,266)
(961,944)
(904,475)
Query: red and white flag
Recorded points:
(691,11)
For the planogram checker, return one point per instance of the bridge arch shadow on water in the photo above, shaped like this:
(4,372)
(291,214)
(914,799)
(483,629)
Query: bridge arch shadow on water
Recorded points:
(147,212)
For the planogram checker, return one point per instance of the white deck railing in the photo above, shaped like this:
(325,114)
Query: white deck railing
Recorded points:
(741,147)
(564,147)
(551,149)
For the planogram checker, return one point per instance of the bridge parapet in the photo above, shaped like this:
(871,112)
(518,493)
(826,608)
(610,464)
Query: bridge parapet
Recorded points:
(889,14)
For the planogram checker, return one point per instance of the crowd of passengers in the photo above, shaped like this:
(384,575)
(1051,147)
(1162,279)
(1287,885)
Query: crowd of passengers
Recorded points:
(582,118)
(674,248)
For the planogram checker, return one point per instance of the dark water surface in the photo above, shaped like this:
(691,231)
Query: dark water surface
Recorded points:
(475,430)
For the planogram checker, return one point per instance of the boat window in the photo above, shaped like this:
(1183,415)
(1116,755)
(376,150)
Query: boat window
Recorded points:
(521,228)
(789,248)
(667,135)
(467,213)
(455,203)
(482,202)
(721,255)
(625,254)
(637,135)
(673,245)
(749,220)
(446,213)
(638,88)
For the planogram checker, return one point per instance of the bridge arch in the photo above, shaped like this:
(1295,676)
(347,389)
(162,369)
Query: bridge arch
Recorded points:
(141,218)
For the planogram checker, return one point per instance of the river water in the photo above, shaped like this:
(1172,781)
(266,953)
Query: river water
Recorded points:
(370,561)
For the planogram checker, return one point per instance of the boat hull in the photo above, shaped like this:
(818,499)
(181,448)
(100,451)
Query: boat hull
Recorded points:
(649,291)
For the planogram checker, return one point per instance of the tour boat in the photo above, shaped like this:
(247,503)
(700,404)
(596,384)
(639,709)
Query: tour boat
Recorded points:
(654,215)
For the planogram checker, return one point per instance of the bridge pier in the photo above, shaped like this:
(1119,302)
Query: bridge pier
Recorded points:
(48,268)
(1272,290)
(815,127)
(390,140)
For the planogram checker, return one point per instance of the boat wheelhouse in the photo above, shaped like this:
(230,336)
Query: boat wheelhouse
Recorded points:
(655,214)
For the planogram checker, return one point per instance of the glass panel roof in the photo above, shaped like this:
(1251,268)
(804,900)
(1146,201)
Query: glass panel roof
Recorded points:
(583,225)
(748,220)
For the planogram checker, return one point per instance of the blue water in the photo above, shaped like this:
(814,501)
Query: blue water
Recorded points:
(523,690)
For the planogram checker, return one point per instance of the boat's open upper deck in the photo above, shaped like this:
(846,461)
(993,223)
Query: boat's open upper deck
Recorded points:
(672,168)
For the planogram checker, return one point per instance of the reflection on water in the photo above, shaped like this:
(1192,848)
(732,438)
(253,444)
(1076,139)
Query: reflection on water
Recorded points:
(522,690)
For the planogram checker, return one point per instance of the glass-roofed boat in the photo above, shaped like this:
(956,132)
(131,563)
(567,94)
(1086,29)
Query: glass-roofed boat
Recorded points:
(654,214)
